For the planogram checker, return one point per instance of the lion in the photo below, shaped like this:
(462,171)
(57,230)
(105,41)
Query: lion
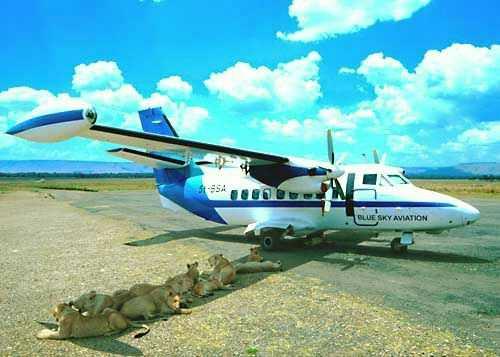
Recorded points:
(223,269)
(92,303)
(183,283)
(206,288)
(255,255)
(142,289)
(72,324)
(259,267)
(159,301)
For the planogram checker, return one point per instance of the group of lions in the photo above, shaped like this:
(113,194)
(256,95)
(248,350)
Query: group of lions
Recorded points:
(94,314)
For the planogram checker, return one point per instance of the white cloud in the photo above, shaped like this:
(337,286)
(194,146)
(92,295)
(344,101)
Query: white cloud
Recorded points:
(175,87)
(314,128)
(294,84)
(404,144)
(97,76)
(448,85)
(321,19)
(116,102)
(484,134)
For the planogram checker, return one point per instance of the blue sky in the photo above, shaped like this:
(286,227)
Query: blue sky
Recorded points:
(419,80)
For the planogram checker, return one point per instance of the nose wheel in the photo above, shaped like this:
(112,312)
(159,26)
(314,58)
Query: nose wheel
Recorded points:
(269,242)
(400,245)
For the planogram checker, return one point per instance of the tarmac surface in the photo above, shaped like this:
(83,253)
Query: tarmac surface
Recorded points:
(350,297)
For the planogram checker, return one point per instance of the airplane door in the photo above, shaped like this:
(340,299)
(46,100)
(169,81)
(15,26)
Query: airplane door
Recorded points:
(365,210)
(349,192)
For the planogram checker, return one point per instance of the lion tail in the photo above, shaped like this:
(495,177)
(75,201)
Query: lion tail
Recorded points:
(143,333)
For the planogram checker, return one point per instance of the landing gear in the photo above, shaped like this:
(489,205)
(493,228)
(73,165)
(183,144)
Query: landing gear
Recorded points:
(400,245)
(397,247)
(270,242)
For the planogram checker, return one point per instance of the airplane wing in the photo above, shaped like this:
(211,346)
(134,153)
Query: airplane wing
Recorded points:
(81,123)
(155,142)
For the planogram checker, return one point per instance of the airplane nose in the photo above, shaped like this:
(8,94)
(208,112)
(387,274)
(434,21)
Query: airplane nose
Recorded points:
(471,214)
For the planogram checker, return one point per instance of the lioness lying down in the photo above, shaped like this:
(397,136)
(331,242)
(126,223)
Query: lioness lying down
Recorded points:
(160,301)
(223,269)
(183,283)
(255,255)
(72,324)
(206,287)
(258,267)
(92,303)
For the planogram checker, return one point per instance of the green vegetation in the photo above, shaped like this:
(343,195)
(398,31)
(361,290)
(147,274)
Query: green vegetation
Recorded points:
(87,184)
(462,188)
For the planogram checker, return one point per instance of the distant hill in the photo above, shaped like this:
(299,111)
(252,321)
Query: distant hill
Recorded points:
(70,167)
(469,170)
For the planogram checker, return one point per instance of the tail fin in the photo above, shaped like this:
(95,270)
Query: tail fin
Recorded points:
(154,121)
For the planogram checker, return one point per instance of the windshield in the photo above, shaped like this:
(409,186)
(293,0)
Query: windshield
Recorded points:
(397,179)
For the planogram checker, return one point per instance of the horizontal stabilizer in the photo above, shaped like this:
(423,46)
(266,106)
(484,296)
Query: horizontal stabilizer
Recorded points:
(147,159)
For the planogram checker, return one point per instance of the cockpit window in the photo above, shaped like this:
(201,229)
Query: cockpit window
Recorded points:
(370,179)
(397,180)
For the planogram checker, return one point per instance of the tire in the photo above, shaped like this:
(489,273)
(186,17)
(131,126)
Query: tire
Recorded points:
(397,247)
(270,243)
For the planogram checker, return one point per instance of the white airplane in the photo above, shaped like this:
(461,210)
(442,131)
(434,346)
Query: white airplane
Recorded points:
(276,197)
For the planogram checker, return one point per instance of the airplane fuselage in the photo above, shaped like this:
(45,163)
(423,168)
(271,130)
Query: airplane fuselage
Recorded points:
(387,202)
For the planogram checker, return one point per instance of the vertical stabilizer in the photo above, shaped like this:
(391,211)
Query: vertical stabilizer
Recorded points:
(154,121)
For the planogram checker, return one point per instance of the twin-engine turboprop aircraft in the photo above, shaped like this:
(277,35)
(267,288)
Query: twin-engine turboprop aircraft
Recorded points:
(276,197)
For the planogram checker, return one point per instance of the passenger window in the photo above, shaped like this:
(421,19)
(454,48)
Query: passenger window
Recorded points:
(266,193)
(308,196)
(255,194)
(280,194)
(370,179)
(293,195)
(244,194)
(320,196)
(234,195)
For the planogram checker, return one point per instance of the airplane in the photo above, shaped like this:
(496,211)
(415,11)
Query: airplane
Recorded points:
(276,197)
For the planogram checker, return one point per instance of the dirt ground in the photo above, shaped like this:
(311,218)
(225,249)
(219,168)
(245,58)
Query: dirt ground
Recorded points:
(352,297)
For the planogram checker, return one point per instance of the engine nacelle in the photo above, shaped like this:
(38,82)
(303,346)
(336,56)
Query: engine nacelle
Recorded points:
(305,184)
(55,127)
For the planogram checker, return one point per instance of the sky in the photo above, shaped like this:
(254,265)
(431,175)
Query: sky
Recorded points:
(418,80)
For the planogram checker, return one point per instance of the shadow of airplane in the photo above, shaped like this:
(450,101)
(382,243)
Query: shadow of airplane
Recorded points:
(308,253)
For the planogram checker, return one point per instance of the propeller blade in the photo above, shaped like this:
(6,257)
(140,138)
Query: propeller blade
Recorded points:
(384,156)
(340,161)
(376,158)
(326,206)
(339,189)
(329,139)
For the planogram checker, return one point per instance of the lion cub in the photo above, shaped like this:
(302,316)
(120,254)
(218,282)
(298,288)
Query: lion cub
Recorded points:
(92,303)
(159,301)
(255,255)
(223,269)
(183,283)
(259,267)
(206,288)
(72,324)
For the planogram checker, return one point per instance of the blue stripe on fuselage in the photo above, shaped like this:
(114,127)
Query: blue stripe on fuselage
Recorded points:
(301,204)
(44,120)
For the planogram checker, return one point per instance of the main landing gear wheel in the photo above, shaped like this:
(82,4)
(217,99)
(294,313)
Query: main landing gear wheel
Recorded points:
(270,242)
(397,247)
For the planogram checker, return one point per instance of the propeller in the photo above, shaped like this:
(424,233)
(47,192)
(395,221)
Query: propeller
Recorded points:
(376,158)
(326,202)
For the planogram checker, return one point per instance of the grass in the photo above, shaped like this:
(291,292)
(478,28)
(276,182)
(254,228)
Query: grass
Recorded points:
(457,188)
(90,185)
(462,188)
